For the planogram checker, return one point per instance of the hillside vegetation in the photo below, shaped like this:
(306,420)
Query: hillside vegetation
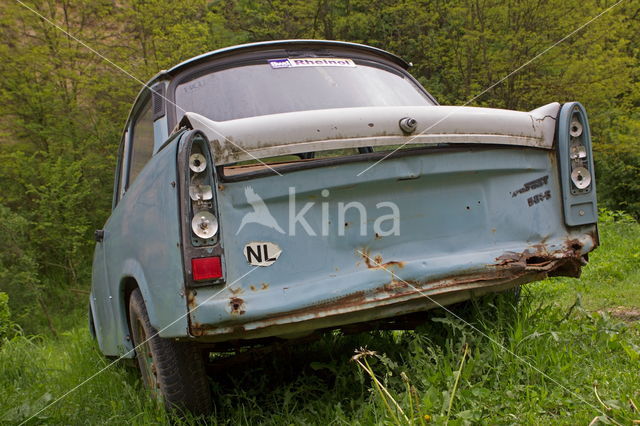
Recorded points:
(63,107)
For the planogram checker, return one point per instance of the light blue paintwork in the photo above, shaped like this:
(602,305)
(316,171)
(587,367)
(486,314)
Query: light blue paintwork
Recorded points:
(142,242)
(160,133)
(458,215)
(460,212)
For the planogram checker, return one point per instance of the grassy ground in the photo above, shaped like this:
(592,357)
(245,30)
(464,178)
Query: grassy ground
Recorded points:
(573,352)
(612,278)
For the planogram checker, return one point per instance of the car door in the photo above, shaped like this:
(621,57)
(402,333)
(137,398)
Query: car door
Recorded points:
(101,293)
(109,256)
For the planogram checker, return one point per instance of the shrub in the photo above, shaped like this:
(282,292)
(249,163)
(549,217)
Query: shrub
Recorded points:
(6,325)
(18,270)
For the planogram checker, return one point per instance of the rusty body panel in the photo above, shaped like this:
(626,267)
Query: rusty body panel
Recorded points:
(467,228)
(398,296)
(376,202)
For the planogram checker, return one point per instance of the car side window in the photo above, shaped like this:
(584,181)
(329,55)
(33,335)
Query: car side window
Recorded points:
(118,184)
(141,142)
(122,164)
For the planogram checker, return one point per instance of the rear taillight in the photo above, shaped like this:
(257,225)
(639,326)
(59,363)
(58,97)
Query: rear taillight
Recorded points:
(575,157)
(579,156)
(204,223)
(201,249)
(206,268)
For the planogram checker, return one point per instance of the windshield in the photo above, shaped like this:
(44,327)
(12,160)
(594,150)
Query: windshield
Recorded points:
(288,85)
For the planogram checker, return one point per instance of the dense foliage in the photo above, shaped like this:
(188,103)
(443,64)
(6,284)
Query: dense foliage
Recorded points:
(5,316)
(63,106)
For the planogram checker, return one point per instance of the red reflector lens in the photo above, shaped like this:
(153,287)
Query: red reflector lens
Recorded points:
(206,268)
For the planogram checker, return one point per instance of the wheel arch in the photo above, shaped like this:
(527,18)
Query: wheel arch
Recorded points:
(127,284)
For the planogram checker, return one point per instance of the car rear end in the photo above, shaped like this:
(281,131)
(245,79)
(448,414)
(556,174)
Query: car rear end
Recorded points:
(317,218)
(325,242)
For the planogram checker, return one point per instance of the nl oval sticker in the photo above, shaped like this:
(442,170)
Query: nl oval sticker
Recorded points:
(261,253)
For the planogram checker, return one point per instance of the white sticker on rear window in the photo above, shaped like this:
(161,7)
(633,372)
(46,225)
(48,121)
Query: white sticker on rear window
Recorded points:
(311,62)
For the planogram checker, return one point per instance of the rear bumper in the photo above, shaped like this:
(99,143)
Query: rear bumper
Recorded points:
(401,287)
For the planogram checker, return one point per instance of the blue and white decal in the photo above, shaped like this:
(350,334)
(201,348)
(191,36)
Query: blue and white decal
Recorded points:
(311,62)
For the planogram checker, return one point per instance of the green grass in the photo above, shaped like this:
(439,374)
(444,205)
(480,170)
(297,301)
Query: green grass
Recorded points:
(612,278)
(444,372)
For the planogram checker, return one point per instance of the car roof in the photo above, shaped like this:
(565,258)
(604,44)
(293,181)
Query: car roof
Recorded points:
(266,45)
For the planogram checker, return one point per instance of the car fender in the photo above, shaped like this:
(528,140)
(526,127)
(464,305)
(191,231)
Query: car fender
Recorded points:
(132,270)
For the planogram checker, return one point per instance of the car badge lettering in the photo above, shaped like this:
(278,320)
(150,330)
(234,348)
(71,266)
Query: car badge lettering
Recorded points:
(311,62)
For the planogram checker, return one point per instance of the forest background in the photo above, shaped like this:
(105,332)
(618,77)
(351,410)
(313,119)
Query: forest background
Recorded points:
(63,108)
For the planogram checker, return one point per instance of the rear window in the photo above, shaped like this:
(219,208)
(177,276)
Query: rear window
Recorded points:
(270,88)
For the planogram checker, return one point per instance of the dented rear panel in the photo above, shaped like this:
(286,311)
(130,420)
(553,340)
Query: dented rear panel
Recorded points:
(422,228)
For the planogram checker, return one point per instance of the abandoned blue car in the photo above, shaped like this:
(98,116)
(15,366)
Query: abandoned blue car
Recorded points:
(278,190)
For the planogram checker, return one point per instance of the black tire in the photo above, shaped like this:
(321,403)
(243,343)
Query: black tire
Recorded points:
(173,371)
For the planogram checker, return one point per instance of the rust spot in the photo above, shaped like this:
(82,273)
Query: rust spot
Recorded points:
(220,187)
(237,306)
(575,245)
(263,286)
(395,286)
(564,262)
(536,254)
(378,236)
(316,311)
(191,300)
(197,329)
(538,261)
(236,290)
(377,262)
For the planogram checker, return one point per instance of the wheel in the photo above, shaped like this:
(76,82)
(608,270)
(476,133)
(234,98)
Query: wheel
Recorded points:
(173,371)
